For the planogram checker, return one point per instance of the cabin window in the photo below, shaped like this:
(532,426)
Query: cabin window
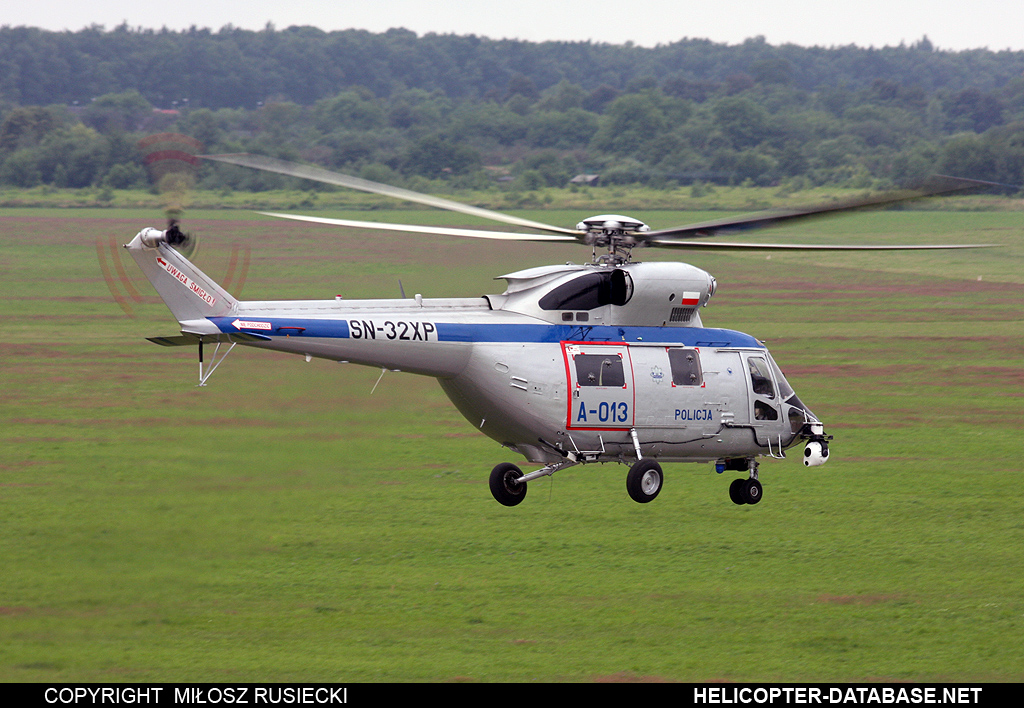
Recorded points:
(760,377)
(591,290)
(762,411)
(599,370)
(685,365)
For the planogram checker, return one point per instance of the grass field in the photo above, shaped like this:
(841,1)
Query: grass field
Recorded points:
(283,524)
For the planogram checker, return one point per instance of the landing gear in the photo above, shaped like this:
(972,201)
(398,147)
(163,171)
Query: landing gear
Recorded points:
(504,486)
(752,491)
(736,491)
(644,481)
(746,491)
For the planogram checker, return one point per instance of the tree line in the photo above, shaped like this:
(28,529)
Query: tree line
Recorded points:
(478,113)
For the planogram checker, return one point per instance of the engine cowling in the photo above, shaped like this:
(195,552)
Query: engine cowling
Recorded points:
(633,294)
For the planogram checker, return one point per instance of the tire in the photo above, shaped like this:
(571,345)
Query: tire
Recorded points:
(752,491)
(504,486)
(644,481)
(736,491)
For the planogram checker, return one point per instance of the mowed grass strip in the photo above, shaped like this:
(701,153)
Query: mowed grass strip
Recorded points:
(284,524)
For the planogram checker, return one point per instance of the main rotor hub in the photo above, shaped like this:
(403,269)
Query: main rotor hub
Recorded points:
(615,232)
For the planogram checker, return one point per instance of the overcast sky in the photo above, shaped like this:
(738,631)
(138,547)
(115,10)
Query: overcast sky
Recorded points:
(949,24)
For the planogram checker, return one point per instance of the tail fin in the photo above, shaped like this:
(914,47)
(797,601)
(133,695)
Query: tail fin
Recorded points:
(188,292)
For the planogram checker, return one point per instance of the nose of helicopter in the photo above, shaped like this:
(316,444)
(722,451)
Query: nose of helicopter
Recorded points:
(805,425)
(799,412)
(816,450)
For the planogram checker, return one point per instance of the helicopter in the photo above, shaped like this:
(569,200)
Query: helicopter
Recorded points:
(601,362)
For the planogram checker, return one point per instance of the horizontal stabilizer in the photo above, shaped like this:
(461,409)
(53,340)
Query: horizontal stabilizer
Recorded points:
(186,340)
(183,340)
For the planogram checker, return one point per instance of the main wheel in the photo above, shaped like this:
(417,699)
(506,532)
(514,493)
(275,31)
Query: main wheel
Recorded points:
(504,486)
(752,491)
(644,481)
(736,491)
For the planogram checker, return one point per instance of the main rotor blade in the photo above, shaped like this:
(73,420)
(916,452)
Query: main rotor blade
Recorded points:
(940,185)
(726,245)
(437,230)
(318,174)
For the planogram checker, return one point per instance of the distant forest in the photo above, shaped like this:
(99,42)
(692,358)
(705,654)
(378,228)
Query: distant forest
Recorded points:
(470,112)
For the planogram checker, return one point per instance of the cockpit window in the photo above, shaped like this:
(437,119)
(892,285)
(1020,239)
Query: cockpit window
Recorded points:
(586,292)
(685,365)
(760,377)
(599,370)
(785,390)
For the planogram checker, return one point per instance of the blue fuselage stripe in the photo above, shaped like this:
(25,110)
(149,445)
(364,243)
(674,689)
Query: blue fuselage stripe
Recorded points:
(486,332)
(550,333)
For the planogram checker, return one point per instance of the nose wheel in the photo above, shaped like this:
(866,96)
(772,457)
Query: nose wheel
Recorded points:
(745,491)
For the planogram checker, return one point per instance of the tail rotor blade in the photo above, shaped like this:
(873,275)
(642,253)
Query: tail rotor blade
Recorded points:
(236,270)
(115,256)
(120,299)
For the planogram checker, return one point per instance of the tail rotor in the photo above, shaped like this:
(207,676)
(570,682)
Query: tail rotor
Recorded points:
(121,287)
(172,162)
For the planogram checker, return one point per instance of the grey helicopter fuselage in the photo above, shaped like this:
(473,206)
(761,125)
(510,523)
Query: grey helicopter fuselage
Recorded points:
(590,363)
(572,364)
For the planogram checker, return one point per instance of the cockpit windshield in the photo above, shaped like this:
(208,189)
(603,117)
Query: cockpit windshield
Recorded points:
(785,390)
